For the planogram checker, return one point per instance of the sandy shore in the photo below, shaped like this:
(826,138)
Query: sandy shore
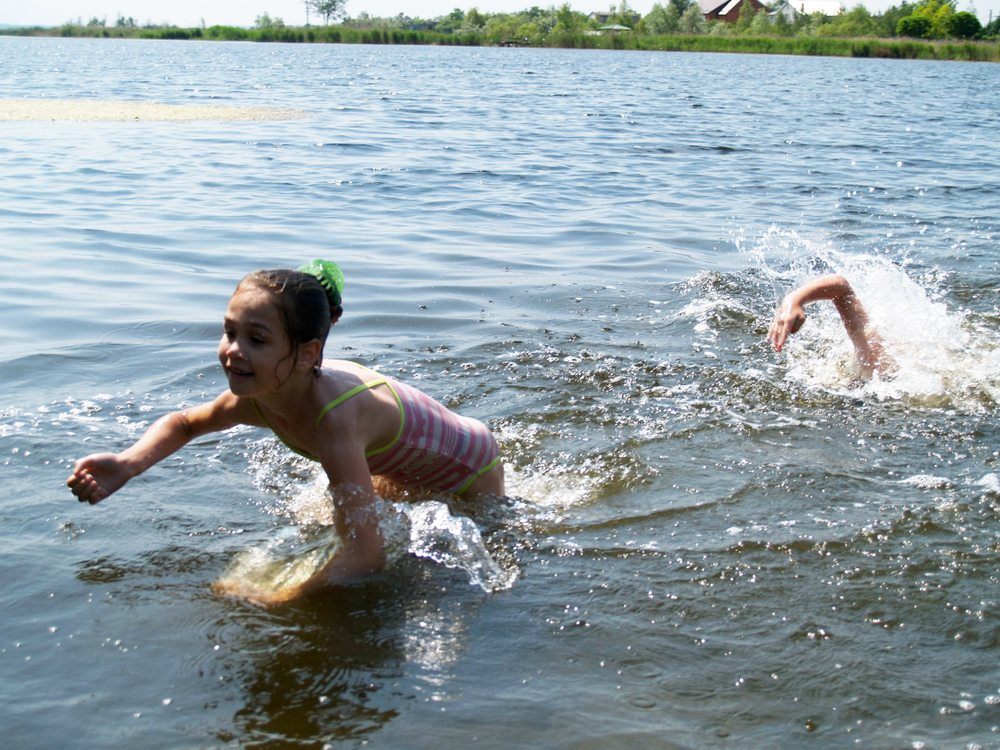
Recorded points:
(84,109)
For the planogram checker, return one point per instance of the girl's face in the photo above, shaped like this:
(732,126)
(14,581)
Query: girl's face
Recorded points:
(254,350)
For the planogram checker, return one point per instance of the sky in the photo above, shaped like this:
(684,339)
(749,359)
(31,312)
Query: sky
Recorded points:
(188,13)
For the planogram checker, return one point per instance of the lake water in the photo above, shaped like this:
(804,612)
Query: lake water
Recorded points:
(710,545)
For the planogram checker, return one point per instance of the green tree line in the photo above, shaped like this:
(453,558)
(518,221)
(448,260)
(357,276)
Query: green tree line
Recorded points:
(663,27)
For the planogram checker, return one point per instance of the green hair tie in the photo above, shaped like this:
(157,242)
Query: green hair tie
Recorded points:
(330,277)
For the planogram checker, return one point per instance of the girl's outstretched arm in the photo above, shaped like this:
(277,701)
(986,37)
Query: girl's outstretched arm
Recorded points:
(99,475)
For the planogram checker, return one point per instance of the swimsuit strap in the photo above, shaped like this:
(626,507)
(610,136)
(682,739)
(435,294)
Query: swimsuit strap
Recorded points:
(402,422)
(381,380)
(344,396)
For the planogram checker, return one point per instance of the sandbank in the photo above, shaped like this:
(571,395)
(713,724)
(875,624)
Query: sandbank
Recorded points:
(92,109)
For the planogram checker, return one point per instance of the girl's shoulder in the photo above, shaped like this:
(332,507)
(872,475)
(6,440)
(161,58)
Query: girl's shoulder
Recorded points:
(345,371)
(344,365)
(350,393)
(341,379)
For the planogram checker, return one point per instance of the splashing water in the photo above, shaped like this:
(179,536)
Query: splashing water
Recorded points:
(274,570)
(455,541)
(551,493)
(946,358)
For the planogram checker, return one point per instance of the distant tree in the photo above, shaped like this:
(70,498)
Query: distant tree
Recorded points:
(567,17)
(366,22)
(475,19)
(95,21)
(674,14)
(454,20)
(746,14)
(886,22)
(502,27)
(937,12)
(547,21)
(662,20)
(916,27)
(127,23)
(761,25)
(857,22)
(329,9)
(623,15)
(527,31)
(693,20)
(266,22)
(809,25)
(962,25)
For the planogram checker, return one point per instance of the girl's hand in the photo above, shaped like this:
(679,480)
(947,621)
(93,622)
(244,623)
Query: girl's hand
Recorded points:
(97,476)
(788,319)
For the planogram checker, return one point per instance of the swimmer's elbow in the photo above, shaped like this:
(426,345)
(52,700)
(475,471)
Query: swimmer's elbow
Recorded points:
(840,288)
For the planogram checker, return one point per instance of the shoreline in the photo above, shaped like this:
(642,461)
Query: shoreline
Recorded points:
(873,47)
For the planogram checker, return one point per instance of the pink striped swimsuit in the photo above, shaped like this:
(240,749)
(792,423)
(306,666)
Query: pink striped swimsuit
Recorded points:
(434,449)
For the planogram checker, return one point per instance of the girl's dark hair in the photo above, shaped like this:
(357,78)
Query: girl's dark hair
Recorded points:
(307,310)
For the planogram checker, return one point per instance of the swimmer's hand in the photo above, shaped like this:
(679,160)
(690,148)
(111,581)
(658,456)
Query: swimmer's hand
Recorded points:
(98,475)
(788,319)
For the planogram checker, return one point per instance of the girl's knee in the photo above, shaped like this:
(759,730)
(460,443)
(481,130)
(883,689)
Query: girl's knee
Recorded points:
(490,483)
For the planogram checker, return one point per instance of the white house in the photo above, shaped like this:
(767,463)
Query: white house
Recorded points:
(826,7)
(792,8)
(602,18)
(786,9)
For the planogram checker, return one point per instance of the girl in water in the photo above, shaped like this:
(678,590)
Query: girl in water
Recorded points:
(369,432)
(868,345)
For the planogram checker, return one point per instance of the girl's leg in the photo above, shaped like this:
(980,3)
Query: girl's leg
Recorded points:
(490,483)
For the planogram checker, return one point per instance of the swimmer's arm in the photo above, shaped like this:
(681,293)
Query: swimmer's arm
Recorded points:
(99,475)
(356,517)
(790,315)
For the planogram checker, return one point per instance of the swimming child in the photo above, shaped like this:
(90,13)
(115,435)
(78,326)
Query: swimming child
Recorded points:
(368,431)
(868,345)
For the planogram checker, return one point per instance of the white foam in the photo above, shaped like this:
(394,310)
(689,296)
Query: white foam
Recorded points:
(927,482)
(990,483)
